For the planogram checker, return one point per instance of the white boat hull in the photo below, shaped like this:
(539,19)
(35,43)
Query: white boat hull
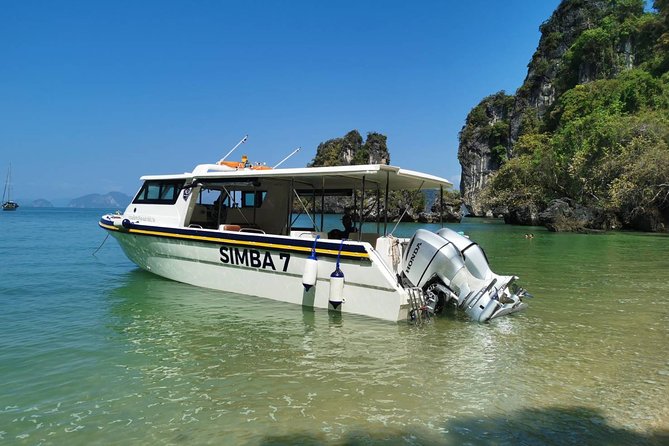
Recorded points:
(254,266)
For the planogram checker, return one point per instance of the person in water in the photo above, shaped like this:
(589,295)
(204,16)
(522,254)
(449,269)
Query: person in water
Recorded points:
(349,228)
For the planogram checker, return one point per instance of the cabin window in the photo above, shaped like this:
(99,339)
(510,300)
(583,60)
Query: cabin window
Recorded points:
(212,196)
(159,192)
(253,198)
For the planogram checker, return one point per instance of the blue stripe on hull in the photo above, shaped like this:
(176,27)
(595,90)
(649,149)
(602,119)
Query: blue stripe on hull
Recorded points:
(330,249)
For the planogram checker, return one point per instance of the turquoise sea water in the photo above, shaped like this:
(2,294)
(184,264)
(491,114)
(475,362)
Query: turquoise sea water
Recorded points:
(95,351)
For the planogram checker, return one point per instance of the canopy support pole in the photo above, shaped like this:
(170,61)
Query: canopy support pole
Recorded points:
(441,205)
(322,204)
(385,217)
(289,215)
(378,208)
(313,207)
(362,208)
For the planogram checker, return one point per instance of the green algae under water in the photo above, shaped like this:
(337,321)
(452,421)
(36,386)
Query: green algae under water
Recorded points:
(96,351)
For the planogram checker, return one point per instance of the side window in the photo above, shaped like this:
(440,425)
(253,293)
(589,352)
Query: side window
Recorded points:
(153,192)
(159,192)
(253,199)
(248,199)
(167,191)
(213,196)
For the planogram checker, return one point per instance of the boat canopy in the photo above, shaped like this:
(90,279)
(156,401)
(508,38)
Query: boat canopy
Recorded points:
(335,177)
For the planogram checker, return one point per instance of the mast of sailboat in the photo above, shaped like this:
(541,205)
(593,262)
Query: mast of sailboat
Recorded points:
(242,141)
(8,189)
(283,160)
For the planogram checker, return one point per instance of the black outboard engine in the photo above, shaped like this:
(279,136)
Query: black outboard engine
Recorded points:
(453,267)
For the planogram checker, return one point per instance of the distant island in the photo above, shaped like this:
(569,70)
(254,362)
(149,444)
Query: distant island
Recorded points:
(41,203)
(117,200)
(109,200)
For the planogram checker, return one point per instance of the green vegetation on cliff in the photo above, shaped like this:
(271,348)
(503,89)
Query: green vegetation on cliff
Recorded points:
(350,149)
(604,139)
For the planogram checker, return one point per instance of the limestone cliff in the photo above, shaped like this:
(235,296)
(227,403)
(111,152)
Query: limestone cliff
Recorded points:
(562,60)
(558,35)
(484,143)
(351,149)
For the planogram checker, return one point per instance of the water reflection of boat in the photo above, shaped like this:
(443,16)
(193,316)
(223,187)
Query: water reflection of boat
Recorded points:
(140,300)
(7,203)
(232,228)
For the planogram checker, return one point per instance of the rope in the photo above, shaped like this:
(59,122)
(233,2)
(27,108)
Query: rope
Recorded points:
(394,251)
(239,209)
(103,242)
(406,209)
(306,211)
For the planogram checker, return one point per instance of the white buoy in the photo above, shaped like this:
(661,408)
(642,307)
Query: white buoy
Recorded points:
(310,269)
(337,283)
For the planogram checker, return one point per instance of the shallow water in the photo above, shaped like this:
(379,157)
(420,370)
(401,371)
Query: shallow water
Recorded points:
(93,350)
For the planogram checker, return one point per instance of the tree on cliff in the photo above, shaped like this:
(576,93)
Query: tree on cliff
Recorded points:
(351,150)
(590,123)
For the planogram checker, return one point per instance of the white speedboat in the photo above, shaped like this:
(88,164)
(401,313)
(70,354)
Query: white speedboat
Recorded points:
(231,227)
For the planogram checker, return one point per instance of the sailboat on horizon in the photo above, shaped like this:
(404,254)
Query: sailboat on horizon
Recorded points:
(7,203)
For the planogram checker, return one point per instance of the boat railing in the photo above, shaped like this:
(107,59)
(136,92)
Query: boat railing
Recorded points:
(254,230)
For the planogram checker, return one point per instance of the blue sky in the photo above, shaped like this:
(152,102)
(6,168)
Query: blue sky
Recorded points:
(94,94)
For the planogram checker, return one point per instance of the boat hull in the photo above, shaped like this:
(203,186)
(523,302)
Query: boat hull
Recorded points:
(265,266)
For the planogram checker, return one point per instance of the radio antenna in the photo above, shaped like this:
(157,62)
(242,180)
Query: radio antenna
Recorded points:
(291,154)
(243,140)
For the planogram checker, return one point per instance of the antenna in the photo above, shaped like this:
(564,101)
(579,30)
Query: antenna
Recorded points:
(243,140)
(291,154)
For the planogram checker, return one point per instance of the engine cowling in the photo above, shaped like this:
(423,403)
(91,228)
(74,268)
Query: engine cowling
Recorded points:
(454,261)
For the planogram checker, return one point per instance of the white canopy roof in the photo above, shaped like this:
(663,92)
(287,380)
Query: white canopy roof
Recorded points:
(322,177)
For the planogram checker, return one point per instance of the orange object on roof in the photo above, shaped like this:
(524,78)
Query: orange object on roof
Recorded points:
(243,164)
(233,164)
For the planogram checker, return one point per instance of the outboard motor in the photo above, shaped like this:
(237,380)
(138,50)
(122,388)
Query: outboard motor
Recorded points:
(449,266)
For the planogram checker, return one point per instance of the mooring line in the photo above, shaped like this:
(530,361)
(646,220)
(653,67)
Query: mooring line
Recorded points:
(103,242)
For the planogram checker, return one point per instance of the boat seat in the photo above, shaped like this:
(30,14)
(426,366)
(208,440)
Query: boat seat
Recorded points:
(303,233)
(229,228)
(249,227)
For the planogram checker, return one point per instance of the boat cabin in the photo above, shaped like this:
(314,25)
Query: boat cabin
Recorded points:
(277,201)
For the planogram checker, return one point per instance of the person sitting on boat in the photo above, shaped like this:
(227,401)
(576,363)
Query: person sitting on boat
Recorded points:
(347,221)
(220,209)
